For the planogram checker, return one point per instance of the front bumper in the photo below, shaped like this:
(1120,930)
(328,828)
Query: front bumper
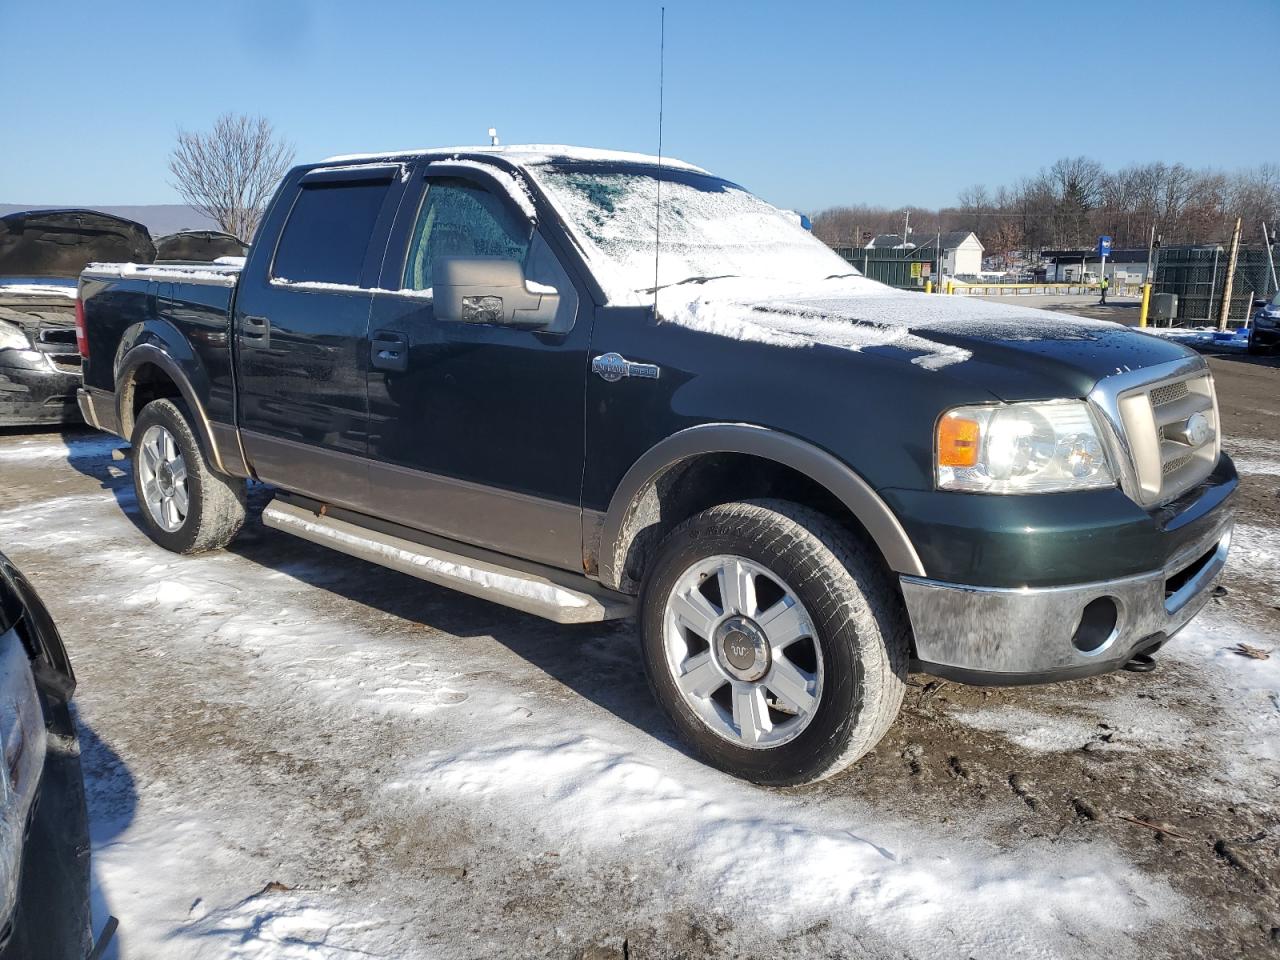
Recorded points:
(996,635)
(36,387)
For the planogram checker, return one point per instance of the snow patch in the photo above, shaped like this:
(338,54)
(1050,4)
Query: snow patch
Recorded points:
(593,798)
(222,275)
(38,290)
(529,153)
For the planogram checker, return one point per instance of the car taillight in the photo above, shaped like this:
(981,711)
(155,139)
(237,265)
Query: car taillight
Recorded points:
(82,338)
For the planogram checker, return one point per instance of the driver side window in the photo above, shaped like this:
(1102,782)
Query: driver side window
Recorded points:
(460,219)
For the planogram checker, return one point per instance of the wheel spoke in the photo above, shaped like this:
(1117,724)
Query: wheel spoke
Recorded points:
(170,449)
(791,686)
(694,611)
(180,499)
(151,490)
(170,510)
(784,623)
(151,457)
(180,472)
(700,678)
(737,588)
(750,713)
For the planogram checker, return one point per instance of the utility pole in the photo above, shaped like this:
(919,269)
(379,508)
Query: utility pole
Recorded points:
(1266,245)
(906,227)
(1231,276)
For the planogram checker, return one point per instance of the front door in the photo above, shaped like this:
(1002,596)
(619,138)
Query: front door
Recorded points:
(302,334)
(479,437)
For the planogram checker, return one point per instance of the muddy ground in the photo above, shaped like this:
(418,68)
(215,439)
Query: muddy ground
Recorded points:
(291,753)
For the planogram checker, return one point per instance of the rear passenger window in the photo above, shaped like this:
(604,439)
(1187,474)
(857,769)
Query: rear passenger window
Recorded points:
(327,234)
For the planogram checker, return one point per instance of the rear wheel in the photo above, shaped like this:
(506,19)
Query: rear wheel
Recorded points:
(186,507)
(776,644)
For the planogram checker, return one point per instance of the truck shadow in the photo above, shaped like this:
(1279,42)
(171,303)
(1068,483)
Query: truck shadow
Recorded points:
(600,662)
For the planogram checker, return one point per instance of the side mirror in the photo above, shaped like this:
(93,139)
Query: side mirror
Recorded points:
(490,290)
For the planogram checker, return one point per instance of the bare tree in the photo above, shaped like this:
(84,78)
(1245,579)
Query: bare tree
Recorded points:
(230,172)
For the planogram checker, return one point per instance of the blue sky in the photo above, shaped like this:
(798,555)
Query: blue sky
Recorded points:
(808,104)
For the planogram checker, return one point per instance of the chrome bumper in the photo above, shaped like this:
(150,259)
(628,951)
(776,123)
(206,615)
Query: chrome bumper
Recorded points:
(1033,635)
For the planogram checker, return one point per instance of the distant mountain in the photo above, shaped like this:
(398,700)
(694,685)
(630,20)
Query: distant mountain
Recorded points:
(159,218)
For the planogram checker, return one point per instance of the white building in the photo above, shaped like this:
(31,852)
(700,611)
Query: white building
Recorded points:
(961,249)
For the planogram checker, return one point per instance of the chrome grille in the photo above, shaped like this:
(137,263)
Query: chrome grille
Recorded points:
(1166,428)
(1168,393)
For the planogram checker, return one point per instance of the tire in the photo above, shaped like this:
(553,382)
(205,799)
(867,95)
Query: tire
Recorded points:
(170,470)
(849,641)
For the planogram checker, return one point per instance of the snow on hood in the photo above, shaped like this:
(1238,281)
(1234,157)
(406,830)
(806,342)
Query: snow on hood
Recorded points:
(855,313)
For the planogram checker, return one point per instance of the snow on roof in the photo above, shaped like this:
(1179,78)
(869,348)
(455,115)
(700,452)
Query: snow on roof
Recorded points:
(526,154)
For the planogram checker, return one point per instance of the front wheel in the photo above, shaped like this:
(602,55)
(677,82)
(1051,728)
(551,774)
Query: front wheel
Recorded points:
(774,641)
(186,506)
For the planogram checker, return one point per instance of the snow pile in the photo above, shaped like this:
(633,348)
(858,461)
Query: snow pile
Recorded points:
(1237,339)
(85,447)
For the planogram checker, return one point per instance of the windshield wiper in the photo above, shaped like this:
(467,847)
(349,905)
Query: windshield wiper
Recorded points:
(723,276)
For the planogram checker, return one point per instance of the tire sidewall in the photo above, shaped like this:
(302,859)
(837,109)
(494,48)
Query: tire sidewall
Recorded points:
(168,414)
(815,749)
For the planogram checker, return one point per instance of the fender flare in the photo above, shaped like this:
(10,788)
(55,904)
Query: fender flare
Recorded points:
(710,438)
(149,352)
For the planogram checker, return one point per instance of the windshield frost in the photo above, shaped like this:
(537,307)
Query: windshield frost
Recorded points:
(710,228)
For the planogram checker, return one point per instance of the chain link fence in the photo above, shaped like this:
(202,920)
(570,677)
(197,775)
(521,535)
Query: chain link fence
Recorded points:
(1198,275)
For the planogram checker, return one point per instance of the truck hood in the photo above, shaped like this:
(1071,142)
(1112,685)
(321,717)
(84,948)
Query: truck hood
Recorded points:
(59,243)
(1012,352)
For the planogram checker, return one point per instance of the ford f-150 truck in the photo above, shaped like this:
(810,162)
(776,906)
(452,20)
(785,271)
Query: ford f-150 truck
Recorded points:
(590,385)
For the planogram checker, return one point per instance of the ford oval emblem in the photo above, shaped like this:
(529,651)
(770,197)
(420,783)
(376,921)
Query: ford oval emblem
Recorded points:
(1197,429)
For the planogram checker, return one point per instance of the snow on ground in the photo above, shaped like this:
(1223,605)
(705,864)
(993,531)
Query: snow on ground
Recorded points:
(1237,339)
(290,753)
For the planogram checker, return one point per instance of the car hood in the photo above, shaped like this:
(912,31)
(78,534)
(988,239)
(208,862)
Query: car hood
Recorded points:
(1013,352)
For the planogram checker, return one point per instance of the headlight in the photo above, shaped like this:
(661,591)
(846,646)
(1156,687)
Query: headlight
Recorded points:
(1021,448)
(12,337)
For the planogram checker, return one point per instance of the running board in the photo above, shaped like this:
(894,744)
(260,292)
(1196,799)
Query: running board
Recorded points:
(545,593)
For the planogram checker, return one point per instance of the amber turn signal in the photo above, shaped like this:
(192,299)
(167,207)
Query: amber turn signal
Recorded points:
(958,441)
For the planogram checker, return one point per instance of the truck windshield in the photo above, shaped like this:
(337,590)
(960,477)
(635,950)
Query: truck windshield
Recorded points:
(710,229)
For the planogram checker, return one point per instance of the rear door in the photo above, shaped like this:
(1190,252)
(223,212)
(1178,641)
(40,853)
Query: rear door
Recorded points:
(478,434)
(302,324)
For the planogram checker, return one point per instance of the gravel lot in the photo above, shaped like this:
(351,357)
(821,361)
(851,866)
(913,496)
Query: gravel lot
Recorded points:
(295,754)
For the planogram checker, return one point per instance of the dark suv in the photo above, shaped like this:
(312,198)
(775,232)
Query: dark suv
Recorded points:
(586,385)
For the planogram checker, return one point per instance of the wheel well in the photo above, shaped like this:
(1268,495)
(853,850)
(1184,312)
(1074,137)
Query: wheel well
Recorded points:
(146,383)
(692,485)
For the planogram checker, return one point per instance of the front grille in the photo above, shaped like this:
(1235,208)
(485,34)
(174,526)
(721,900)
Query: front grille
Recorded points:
(1168,393)
(1171,429)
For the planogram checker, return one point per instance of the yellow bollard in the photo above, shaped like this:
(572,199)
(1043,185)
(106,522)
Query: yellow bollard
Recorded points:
(1146,303)
(951,287)
(928,286)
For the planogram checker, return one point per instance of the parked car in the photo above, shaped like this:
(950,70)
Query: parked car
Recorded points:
(459,364)
(41,254)
(1264,332)
(198,246)
(44,835)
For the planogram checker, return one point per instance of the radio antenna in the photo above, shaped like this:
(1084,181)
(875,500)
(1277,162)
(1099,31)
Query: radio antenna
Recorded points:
(657,219)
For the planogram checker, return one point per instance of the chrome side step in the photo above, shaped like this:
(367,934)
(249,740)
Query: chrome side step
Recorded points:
(543,592)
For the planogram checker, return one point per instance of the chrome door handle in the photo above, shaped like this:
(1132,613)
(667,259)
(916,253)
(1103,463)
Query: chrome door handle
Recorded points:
(612,367)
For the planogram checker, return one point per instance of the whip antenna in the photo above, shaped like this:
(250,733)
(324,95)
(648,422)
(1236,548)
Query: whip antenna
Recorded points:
(657,219)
